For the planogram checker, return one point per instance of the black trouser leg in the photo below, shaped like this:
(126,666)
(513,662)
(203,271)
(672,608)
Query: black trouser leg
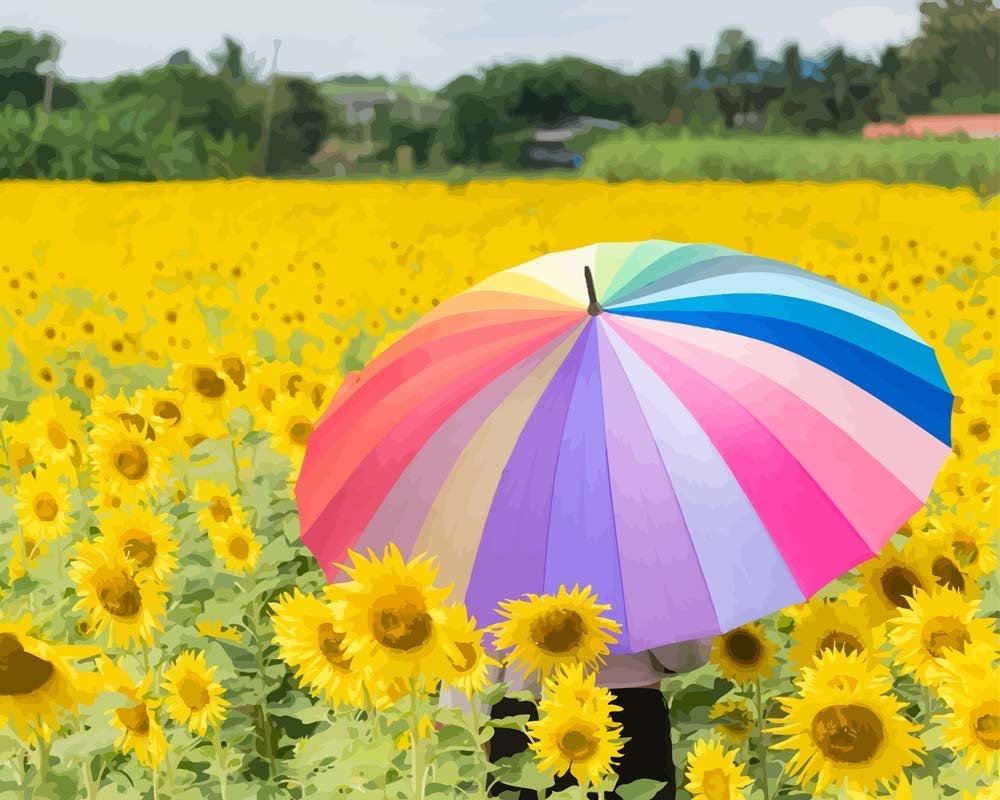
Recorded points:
(644,719)
(648,753)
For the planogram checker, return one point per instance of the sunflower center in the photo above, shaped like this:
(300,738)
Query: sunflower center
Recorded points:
(45,506)
(467,660)
(139,547)
(21,672)
(578,744)
(219,509)
(57,435)
(167,411)
(987,729)
(945,632)
(898,584)
(400,622)
(267,396)
(207,383)
(193,693)
(840,640)
(558,632)
(136,719)
(130,460)
(88,381)
(965,551)
(331,644)
(715,785)
(744,648)
(947,574)
(299,430)
(234,368)
(119,594)
(848,734)
(239,547)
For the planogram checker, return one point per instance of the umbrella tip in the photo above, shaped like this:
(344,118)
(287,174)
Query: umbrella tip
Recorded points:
(594,308)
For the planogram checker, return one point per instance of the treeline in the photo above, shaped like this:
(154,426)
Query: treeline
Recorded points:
(182,120)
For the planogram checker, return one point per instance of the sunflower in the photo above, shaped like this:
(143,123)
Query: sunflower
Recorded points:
(713,774)
(214,629)
(940,560)
(394,617)
(830,626)
(845,725)
(745,654)
(568,737)
(16,456)
(234,542)
(208,384)
(890,580)
(136,720)
(546,631)
(88,378)
(192,697)
(958,668)
(290,424)
(734,719)
(310,639)
(38,680)
(42,506)
(470,671)
(572,685)
(972,726)
(130,605)
(54,430)
(933,624)
(143,538)
(220,504)
(126,464)
(26,552)
(975,550)
(180,422)
(901,791)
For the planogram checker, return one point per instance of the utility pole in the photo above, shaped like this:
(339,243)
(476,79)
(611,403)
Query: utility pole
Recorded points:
(269,110)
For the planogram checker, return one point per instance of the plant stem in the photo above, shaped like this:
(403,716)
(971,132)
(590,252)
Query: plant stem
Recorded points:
(221,761)
(480,752)
(43,760)
(88,781)
(417,750)
(265,720)
(928,714)
(156,783)
(762,744)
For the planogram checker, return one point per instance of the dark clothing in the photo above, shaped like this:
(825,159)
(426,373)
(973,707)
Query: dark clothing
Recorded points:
(645,721)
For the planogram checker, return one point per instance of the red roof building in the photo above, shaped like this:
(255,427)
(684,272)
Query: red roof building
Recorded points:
(975,126)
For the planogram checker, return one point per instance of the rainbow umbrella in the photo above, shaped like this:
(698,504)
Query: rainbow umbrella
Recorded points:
(703,436)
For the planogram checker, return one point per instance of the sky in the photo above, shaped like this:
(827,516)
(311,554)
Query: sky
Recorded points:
(432,42)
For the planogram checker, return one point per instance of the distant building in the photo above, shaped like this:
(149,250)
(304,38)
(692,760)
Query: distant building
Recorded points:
(975,126)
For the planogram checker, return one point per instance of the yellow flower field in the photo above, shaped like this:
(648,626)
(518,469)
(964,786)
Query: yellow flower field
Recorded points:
(166,351)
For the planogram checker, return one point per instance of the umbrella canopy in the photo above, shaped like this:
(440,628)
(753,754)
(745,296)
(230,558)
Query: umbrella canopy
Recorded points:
(703,436)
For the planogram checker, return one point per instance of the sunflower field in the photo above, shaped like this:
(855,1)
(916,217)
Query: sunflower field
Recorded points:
(166,351)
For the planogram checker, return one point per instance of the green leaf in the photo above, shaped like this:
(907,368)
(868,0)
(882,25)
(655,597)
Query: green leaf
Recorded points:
(521,771)
(643,789)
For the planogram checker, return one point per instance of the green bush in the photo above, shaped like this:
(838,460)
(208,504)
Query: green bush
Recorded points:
(649,155)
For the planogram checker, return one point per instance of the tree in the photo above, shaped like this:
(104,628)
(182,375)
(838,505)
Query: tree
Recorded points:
(954,56)
(301,123)
(230,63)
